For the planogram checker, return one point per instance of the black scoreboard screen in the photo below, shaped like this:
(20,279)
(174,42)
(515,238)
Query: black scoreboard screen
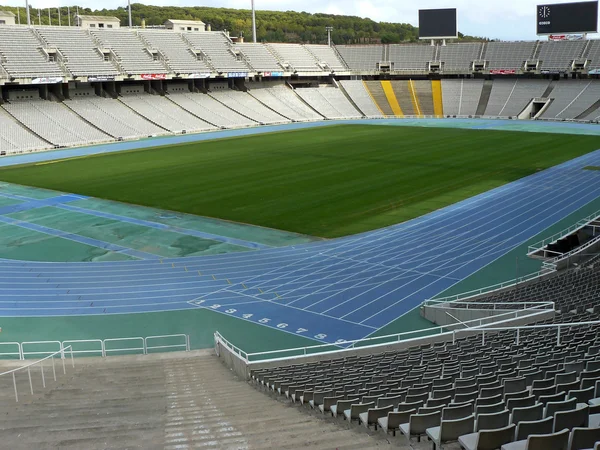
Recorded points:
(437,23)
(563,18)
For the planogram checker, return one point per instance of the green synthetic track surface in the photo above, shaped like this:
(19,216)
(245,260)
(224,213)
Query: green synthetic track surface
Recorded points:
(327,182)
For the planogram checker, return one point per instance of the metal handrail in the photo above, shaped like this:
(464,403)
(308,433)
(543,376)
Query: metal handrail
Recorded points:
(85,341)
(19,353)
(132,349)
(556,236)
(382,340)
(518,329)
(185,345)
(41,363)
(491,288)
(22,353)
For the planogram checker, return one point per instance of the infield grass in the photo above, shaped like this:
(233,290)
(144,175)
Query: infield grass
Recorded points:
(328,182)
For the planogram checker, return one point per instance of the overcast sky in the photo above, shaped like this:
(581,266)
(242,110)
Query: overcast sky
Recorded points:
(503,19)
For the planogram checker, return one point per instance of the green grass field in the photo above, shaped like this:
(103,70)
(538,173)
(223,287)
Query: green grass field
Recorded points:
(327,182)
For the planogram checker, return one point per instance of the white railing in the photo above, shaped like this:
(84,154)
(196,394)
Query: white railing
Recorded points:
(491,288)
(40,363)
(100,347)
(558,326)
(556,236)
(373,342)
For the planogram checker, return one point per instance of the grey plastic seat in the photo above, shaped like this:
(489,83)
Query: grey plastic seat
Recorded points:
(527,414)
(343,405)
(525,428)
(514,385)
(554,407)
(373,414)
(318,397)
(408,406)
(487,439)
(466,397)
(545,383)
(490,391)
(488,400)
(582,395)
(492,421)
(328,402)
(386,401)
(570,419)
(490,409)
(520,402)
(419,423)
(584,438)
(394,419)
(553,441)
(354,412)
(433,402)
(457,412)
(545,399)
(431,409)
(562,378)
(450,430)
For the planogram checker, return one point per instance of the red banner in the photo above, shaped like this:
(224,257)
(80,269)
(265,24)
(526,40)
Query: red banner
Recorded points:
(558,37)
(503,72)
(154,76)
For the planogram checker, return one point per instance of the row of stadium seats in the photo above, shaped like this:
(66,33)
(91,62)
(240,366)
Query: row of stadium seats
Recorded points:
(486,395)
(72,51)
(38,124)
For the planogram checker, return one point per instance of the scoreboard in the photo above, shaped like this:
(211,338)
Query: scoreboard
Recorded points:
(437,24)
(565,18)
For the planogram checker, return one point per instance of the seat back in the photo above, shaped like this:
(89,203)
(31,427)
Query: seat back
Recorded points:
(386,401)
(562,378)
(582,438)
(432,402)
(554,407)
(376,413)
(415,398)
(328,402)
(492,421)
(395,419)
(554,441)
(429,410)
(357,409)
(528,413)
(571,419)
(520,402)
(514,385)
(457,412)
(488,400)
(545,399)
(420,422)
(491,391)
(582,395)
(494,439)
(408,406)
(490,409)
(343,405)
(525,428)
(545,383)
(451,430)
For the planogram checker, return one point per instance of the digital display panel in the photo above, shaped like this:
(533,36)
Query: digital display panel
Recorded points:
(437,23)
(580,17)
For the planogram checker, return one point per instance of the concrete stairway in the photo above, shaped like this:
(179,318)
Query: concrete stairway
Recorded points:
(168,401)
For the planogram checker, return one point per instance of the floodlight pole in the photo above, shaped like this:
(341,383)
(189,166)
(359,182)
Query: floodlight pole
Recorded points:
(253,23)
(129,10)
(28,15)
(329,30)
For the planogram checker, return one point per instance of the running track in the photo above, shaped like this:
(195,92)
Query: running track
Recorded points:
(341,289)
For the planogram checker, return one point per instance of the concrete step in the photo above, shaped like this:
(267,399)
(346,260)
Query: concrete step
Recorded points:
(179,401)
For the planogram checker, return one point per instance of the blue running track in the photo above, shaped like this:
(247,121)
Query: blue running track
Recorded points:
(339,289)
